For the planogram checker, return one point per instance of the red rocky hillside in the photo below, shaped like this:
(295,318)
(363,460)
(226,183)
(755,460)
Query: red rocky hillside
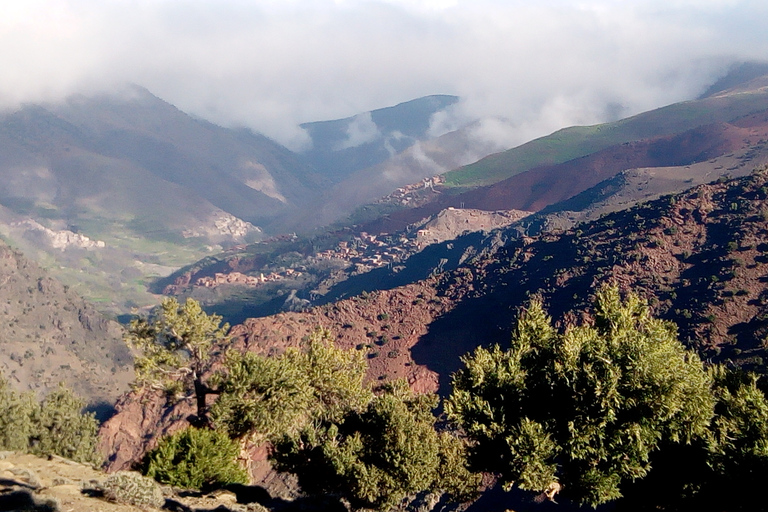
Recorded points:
(700,257)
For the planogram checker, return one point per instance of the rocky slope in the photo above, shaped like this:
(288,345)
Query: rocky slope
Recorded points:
(50,335)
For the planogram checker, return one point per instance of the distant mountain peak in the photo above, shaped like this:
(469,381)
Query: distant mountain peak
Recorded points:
(739,75)
(431,104)
(342,146)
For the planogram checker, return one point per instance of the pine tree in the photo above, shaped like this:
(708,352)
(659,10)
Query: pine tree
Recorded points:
(174,347)
(582,409)
(377,457)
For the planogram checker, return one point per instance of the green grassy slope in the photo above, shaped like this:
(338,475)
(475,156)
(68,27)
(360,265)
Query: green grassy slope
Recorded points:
(579,141)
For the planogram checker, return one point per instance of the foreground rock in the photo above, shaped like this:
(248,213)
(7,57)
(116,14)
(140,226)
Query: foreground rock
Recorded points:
(32,483)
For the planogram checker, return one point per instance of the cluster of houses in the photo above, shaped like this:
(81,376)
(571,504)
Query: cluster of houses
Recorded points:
(369,251)
(365,252)
(404,194)
(246,280)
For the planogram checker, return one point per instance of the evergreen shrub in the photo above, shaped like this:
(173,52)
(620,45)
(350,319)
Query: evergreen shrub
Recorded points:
(195,459)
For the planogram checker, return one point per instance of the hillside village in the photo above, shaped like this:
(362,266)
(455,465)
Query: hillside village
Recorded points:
(365,252)
(409,195)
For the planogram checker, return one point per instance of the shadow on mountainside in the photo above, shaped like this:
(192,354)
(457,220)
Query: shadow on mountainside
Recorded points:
(490,296)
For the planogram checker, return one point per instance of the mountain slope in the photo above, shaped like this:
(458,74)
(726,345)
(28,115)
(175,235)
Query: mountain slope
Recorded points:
(745,94)
(699,257)
(576,142)
(49,335)
(737,145)
(423,160)
(211,161)
(110,191)
(547,185)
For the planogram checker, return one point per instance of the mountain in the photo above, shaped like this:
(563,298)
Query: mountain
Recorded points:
(343,146)
(370,155)
(737,75)
(563,194)
(110,191)
(547,185)
(570,143)
(50,335)
(85,142)
(422,161)
(728,126)
(460,155)
(698,257)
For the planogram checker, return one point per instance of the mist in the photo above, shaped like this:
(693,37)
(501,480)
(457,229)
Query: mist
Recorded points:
(272,65)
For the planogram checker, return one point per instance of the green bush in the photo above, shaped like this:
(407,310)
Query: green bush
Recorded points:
(195,459)
(585,407)
(54,426)
(380,456)
(261,394)
(274,396)
(61,428)
(15,418)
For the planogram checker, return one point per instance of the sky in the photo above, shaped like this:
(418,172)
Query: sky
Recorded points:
(538,65)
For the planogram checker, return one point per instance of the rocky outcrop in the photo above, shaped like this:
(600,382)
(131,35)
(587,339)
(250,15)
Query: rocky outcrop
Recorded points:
(142,418)
(62,239)
(453,222)
(224,227)
(55,484)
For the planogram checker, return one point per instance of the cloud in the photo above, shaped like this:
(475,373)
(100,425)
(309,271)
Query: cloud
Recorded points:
(494,131)
(274,64)
(361,130)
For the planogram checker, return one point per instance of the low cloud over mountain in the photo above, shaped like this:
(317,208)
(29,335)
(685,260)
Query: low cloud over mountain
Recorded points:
(274,65)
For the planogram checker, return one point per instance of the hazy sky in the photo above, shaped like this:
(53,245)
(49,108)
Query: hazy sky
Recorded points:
(272,64)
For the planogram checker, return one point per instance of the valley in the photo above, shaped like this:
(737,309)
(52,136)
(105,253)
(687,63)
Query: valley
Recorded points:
(697,258)
(563,194)
(408,248)
(113,191)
